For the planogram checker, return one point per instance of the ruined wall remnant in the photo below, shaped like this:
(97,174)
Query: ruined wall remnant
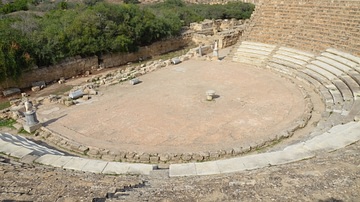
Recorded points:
(69,68)
(226,32)
(157,48)
(78,66)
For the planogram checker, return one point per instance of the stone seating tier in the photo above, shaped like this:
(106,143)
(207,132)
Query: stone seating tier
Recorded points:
(332,73)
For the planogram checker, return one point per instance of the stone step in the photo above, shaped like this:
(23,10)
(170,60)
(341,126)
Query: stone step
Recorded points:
(335,93)
(247,60)
(344,55)
(322,72)
(242,49)
(258,44)
(355,75)
(289,59)
(297,53)
(285,63)
(337,137)
(328,67)
(95,166)
(319,87)
(350,82)
(35,148)
(293,55)
(335,63)
(261,48)
(345,134)
(344,89)
(340,59)
(250,55)
(355,110)
(279,67)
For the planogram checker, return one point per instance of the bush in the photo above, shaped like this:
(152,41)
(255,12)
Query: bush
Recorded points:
(17,5)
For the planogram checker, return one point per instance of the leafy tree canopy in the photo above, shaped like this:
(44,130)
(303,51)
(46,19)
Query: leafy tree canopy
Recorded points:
(93,28)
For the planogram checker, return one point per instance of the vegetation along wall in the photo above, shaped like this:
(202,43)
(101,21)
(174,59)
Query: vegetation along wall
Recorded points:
(38,34)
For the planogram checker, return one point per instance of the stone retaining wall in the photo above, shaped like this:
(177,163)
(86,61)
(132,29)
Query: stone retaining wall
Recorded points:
(78,66)
(68,69)
(157,48)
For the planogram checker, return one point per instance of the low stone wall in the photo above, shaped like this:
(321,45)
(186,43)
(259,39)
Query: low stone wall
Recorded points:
(157,48)
(78,66)
(68,69)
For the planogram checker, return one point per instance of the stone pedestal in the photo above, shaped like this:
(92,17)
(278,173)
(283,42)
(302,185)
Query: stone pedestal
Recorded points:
(209,95)
(31,123)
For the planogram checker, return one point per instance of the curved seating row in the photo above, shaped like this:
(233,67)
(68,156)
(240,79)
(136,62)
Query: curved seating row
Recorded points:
(333,73)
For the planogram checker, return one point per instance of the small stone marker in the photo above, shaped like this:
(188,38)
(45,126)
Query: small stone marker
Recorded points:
(61,80)
(134,81)
(35,88)
(175,61)
(209,95)
(76,94)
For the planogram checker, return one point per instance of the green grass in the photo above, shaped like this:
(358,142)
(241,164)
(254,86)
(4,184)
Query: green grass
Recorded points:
(173,54)
(7,123)
(4,105)
(24,132)
(62,90)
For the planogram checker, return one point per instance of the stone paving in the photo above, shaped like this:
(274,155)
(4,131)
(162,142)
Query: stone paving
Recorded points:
(328,177)
(20,147)
(336,138)
(176,95)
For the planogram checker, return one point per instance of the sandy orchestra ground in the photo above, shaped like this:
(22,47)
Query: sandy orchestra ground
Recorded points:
(168,110)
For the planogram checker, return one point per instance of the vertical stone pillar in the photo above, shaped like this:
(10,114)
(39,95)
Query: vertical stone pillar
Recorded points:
(216,50)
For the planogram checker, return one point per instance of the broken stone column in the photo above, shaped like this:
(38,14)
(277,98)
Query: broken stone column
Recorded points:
(31,123)
(216,50)
(200,51)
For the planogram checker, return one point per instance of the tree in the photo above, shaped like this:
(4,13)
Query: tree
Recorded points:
(14,57)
